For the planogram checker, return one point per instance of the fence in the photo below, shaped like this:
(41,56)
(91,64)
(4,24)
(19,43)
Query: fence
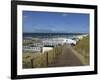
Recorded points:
(40,60)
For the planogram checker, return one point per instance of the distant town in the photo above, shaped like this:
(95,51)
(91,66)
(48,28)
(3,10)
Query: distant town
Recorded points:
(35,45)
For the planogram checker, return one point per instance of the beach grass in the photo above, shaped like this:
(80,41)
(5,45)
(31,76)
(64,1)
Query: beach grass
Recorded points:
(82,48)
(40,60)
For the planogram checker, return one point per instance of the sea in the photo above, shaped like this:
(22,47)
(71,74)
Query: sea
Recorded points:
(52,35)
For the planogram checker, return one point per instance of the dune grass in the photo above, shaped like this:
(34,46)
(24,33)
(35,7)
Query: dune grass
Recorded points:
(40,60)
(82,48)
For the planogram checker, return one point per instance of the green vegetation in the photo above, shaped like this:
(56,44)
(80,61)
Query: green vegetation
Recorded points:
(82,47)
(27,43)
(40,60)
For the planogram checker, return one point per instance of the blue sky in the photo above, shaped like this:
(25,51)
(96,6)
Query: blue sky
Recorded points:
(44,22)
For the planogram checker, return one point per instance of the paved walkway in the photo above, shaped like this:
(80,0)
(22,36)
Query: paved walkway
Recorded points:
(67,58)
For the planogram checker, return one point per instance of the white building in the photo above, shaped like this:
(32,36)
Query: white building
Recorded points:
(53,41)
(45,49)
(57,41)
(71,42)
(32,49)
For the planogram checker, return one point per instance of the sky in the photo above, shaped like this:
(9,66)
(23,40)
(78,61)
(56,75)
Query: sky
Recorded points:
(50,22)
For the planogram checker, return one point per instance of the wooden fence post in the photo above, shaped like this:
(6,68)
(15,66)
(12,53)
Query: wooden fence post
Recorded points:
(32,63)
(47,58)
(53,55)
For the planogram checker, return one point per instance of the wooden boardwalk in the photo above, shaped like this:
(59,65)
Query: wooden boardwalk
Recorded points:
(67,58)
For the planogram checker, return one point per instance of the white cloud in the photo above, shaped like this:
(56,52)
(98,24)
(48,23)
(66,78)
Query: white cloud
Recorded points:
(64,14)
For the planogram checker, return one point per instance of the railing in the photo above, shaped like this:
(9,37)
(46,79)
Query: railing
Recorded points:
(40,60)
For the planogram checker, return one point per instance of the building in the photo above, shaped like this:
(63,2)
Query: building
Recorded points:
(32,49)
(58,41)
